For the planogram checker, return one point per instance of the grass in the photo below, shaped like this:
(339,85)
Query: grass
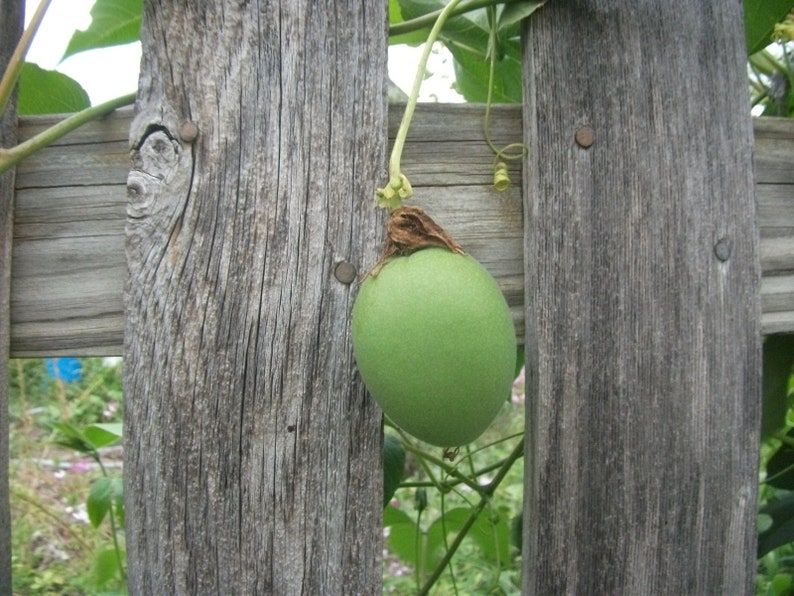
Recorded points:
(54,546)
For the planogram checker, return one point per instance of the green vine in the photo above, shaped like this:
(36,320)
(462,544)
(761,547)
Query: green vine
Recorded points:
(501,178)
(399,188)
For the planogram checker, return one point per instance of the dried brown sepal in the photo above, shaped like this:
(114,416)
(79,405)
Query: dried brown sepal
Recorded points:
(410,229)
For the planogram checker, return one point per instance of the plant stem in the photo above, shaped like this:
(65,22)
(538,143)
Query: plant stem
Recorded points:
(11,157)
(399,188)
(425,457)
(486,494)
(428,19)
(14,67)
(413,97)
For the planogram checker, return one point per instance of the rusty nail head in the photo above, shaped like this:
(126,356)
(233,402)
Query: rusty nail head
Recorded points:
(345,272)
(188,131)
(585,137)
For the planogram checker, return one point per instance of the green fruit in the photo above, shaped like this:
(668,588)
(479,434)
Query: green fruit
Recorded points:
(435,344)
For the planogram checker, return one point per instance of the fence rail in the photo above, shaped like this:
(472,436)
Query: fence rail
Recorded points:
(69,269)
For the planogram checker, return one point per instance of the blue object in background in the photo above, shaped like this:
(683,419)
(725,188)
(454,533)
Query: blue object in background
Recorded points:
(65,369)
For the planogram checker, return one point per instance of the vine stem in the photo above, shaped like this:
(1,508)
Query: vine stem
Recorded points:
(413,98)
(11,157)
(418,23)
(485,497)
(425,457)
(399,188)
(14,66)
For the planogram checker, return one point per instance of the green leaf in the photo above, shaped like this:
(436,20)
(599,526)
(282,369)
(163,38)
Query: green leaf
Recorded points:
(777,366)
(113,22)
(414,38)
(467,38)
(49,92)
(105,492)
(513,13)
(393,466)
(780,467)
(781,530)
(760,17)
(402,534)
(472,72)
(490,532)
(100,499)
(520,359)
(72,438)
(101,435)
(107,567)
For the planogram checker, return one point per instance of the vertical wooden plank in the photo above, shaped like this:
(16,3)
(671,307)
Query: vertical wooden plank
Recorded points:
(12,15)
(643,332)
(252,453)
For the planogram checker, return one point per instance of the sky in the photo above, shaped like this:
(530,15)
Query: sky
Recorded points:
(111,72)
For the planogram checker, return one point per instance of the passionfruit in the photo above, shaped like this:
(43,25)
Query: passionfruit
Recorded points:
(435,344)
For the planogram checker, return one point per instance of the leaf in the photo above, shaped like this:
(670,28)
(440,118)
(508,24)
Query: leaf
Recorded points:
(780,467)
(49,92)
(72,438)
(520,359)
(105,492)
(515,12)
(490,532)
(113,22)
(414,38)
(760,17)
(472,73)
(101,435)
(781,532)
(778,361)
(393,466)
(107,567)
(467,38)
(99,500)
(402,534)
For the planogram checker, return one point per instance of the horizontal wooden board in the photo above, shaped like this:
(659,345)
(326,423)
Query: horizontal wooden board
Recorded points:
(69,269)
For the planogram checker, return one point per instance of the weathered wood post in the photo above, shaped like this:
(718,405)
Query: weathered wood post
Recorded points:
(11,22)
(252,454)
(642,300)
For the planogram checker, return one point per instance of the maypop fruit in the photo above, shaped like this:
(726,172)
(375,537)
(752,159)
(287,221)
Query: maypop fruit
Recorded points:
(435,344)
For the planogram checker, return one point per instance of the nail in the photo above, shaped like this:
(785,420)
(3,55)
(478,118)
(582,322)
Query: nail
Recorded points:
(188,131)
(585,137)
(722,249)
(344,272)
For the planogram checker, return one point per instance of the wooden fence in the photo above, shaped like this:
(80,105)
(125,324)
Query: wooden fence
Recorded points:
(69,268)
(631,264)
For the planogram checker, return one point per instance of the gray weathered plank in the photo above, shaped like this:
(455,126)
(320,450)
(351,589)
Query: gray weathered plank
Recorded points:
(644,363)
(251,450)
(11,24)
(69,268)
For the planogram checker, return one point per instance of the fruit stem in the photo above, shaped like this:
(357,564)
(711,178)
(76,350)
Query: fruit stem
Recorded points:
(399,188)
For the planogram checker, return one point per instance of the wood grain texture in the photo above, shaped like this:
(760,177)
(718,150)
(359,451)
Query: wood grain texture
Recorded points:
(252,452)
(643,350)
(11,24)
(69,266)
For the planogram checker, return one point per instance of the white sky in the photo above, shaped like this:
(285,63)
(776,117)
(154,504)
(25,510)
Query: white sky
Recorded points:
(111,72)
